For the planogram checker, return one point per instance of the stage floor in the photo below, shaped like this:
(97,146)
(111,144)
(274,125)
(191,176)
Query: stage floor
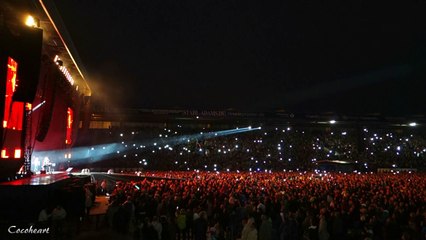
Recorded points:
(38,179)
(54,177)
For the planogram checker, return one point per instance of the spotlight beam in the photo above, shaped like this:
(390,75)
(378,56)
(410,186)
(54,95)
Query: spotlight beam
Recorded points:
(95,153)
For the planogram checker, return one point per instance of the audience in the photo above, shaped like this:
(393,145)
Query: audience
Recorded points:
(264,184)
(268,148)
(277,205)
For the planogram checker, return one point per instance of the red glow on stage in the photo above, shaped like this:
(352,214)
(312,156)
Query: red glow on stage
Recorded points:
(13,115)
(28,106)
(4,154)
(13,111)
(18,153)
(70,119)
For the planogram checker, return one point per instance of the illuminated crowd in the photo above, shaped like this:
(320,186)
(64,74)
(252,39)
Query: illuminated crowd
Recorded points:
(260,149)
(291,205)
(262,182)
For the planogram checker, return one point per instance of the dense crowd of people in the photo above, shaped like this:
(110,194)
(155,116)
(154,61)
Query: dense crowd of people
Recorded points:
(260,149)
(261,183)
(291,205)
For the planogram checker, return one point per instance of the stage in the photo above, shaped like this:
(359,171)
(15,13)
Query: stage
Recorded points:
(60,176)
(38,179)
(24,198)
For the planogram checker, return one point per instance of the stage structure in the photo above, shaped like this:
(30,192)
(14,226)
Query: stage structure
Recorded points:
(44,95)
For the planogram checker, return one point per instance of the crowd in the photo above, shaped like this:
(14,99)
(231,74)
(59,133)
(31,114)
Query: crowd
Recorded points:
(264,182)
(261,183)
(260,149)
(277,205)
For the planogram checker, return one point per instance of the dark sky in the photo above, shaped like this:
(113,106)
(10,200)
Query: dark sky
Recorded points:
(309,56)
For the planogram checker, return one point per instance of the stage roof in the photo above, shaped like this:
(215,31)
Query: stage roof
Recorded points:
(56,40)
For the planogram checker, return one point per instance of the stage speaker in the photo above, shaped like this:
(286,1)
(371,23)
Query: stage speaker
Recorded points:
(28,55)
(49,93)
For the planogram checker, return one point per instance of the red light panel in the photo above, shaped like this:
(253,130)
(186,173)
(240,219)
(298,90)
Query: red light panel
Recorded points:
(13,111)
(4,153)
(70,119)
(18,153)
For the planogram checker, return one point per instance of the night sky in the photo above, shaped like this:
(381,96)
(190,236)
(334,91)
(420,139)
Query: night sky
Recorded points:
(354,57)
